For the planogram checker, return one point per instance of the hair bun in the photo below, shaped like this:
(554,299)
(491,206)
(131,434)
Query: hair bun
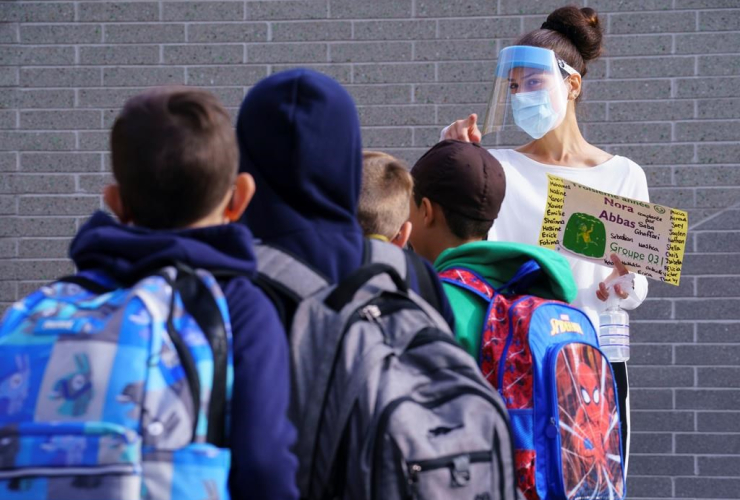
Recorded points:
(581,26)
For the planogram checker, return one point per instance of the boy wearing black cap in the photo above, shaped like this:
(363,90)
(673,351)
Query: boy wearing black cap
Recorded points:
(458,190)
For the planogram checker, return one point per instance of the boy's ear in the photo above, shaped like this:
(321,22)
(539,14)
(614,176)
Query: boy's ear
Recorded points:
(244,189)
(112,198)
(427,211)
(403,235)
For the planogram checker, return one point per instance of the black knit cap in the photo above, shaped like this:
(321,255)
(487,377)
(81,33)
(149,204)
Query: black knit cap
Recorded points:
(462,177)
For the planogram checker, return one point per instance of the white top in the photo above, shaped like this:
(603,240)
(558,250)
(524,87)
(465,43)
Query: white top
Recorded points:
(520,218)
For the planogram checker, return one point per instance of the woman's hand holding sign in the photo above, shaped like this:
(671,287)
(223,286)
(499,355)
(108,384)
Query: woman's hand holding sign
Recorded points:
(619,270)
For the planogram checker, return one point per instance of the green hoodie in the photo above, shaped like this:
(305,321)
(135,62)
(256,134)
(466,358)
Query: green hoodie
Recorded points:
(498,262)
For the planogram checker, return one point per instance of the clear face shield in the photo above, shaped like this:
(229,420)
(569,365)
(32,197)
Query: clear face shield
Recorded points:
(529,91)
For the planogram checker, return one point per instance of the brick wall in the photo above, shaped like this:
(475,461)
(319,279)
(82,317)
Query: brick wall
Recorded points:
(667,96)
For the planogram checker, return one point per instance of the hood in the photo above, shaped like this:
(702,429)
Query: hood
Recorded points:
(299,136)
(498,262)
(103,243)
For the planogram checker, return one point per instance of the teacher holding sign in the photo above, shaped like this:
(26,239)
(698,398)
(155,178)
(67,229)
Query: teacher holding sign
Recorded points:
(537,88)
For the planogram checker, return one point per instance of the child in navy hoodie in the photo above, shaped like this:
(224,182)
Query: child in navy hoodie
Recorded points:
(175,160)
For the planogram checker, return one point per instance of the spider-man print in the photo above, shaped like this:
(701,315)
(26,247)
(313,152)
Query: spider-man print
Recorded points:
(589,424)
(525,473)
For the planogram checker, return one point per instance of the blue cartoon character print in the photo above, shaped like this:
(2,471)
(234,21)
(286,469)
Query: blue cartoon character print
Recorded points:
(14,387)
(76,389)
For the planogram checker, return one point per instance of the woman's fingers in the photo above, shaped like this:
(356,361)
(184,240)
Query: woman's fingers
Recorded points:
(464,130)
(602,293)
(618,265)
(621,293)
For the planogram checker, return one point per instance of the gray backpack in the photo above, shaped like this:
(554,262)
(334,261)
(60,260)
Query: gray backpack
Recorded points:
(387,404)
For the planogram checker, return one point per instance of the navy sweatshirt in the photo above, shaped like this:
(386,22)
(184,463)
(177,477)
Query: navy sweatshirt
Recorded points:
(262,464)
(299,136)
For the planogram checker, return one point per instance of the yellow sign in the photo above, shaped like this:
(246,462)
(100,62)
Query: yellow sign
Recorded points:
(592,225)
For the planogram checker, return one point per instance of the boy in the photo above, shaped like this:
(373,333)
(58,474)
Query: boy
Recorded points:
(175,159)
(458,190)
(383,210)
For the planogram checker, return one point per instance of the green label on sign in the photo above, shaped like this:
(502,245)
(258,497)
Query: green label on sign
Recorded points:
(585,235)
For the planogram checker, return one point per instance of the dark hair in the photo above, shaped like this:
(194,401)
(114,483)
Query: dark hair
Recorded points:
(384,199)
(463,227)
(573,33)
(174,156)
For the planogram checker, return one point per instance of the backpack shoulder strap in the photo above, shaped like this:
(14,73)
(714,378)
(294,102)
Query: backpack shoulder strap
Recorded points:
(380,252)
(468,280)
(427,290)
(287,273)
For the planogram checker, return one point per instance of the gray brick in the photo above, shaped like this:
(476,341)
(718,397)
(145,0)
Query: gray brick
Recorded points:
(32,99)
(225,75)
(623,5)
(718,466)
(396,115)
(370,51)
(649,67)
(708,87)
(663,22)
(447,93)
(394,73)
(35,183)
(287,53)
(456,8)
(8,162)
(60,162)
(7,291)
(94,141)
(644,376)
(650,487)
(301,9)
(662,290)
(638,45)
(8,248)
(46,270)
(114,55)
(382,138)
(467,71)
(105,98)
(654,442)
(44,248)
(227,33)
(661,421)
(380,94)
(709,242)
(426,137)
(229,96)
(718,377)
(7,205)
(662,465)
(410,156)
(60,77)
(203,54)
(514,7)
(8,119)
(36,141)
(58,205)
(118,11)
(718,108)
(705,355)
(94,183)
(718,153)
(61,33)
(719,197)
(9,33)
(455,50)
(15,227)
(651,110)
(651,354)
(632,90)
(340,72)
(718,421)
(202,11)
(312,31)
(142,76)
(144,33)
(350,9)
(45,56)
(660,332)
(707,43)
(707,488)
(60,120)
(37,12)
(719,65)
(615,133)
(450,113)
(478,28)
(704,4)
(8,77)
(697,264)
(708,399)
(719,20)
(395,30)
(708,131)
(656,154)
(658,176)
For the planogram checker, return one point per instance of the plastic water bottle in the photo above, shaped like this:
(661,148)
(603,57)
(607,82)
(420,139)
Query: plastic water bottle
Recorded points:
(614,323)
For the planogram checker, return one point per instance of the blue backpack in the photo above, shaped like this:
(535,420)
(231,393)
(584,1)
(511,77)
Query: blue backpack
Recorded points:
(113,393)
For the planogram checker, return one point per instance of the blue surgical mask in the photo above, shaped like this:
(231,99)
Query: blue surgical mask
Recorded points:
(533,112)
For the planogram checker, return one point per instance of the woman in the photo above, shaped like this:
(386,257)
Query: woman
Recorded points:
(543,103)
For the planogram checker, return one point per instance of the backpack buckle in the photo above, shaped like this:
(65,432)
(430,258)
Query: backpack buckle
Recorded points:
(460,470)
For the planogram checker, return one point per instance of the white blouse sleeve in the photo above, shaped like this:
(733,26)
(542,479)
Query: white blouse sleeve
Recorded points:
(641,283)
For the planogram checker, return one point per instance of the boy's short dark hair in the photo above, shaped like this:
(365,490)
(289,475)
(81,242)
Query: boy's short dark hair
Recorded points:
(466,181)
(174,156)
(385,195)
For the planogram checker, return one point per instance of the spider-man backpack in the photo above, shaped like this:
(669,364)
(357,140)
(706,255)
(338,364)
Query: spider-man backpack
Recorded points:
(543,357)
